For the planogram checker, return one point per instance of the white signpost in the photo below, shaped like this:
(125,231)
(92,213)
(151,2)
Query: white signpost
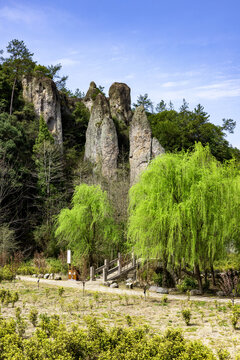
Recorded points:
(69,257)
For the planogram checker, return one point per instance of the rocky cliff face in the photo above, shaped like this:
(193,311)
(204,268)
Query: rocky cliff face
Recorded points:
(101,147)
(42,92)
(143,147)
(91,95)
(120,103)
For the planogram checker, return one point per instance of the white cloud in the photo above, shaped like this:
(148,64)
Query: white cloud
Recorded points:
(67,61)
(20,14)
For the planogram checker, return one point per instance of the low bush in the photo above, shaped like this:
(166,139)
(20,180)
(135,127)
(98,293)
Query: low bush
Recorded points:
(186,314)
(186,284)
(51,340)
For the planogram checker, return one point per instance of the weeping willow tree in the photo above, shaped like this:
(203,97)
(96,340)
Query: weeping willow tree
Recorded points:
(185,209)
(88,227)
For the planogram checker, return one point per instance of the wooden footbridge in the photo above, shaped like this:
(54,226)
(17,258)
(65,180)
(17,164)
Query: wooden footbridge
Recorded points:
(114,269)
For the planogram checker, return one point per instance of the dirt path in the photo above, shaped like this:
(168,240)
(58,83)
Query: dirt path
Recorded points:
(98,286)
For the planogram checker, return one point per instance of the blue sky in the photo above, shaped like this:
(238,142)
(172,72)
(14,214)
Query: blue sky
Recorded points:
(171,49)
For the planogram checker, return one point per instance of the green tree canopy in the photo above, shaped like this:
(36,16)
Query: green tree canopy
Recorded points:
(88,227)
(186,209)
(145,101)
(178,131)
(18,63)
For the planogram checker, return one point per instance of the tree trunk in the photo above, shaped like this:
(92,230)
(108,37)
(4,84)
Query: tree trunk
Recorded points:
(165,274)
(198,277)
(213,276)
(12,95)
(206,277)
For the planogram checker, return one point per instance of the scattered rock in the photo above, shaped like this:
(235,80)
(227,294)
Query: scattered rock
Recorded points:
(220,293)
(129,280)
(46,276)
(153,288)
(43,93)
(114,285)
(40,276)
(58,277)
(161,290)
(51,276)
(195,292)
(172,290)
(129,285)
(34,275)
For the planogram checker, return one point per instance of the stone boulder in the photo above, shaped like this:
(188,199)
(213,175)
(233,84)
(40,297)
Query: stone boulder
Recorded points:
(120,103)
(153,288)
(114,285)
(161,290)
(101,147)
(43,93)
(195,292)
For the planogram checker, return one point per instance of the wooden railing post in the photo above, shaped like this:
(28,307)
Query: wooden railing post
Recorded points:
(133,260)
(92,273)
(105,274)
(119,264)
(106,263)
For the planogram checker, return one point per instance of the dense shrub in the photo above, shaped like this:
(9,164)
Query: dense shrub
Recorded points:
(186,284)
(52,340)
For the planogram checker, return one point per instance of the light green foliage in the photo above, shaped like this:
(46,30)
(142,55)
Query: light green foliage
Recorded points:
(235,315)
(51,340)
(187,283)
(223,354)
(43,133)
(185,206)
(87,228)
(7,297)
(186,314)
(61,291)
(33,316)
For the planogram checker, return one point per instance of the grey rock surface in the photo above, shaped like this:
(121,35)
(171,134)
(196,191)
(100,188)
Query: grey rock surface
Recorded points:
(43,93)
(140,137)
(161,290)
(114,285)
(143,147)
(91,95)
(157,148)
(58,277)
(195,292)
(153,288)
(120,103)
(101,147)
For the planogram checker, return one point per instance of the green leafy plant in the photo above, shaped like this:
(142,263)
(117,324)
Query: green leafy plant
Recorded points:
(33,316)
(186,314)
(61,291)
